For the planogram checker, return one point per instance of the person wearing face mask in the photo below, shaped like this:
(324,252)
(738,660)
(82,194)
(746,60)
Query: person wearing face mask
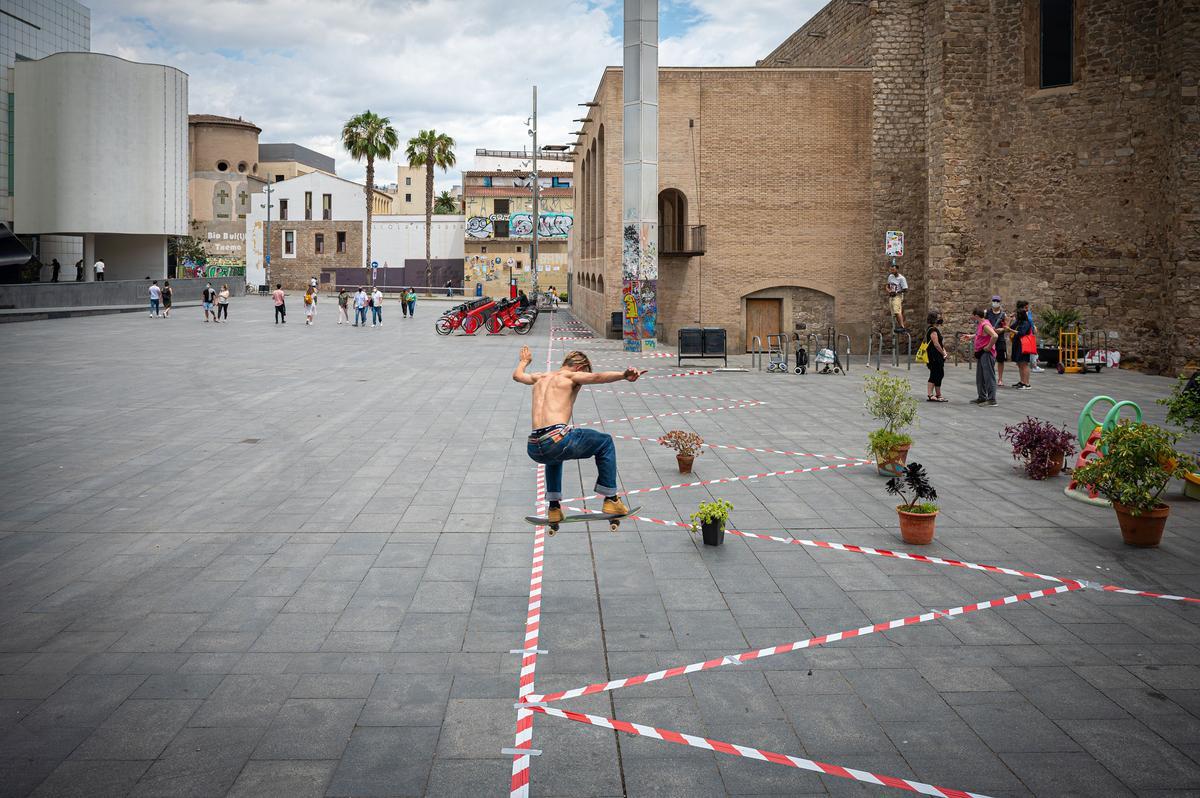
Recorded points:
(937,357)
(997,316)
(1024,322)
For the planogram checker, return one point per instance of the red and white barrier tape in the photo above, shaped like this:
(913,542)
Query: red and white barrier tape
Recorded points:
(666,415)
(784,648)
(698,373)
(855,460)
(675,396)
(708,744)
(1130,592)
(717,481)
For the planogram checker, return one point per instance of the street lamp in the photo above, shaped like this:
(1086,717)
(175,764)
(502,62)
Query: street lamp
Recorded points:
(267,237)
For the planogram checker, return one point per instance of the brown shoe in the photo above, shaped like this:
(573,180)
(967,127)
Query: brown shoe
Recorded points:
(554,515)
(615,507)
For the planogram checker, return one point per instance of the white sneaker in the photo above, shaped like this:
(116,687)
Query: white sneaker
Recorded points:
(1037,369)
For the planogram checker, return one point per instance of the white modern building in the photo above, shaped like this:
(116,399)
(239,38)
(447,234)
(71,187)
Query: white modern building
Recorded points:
(120,180)
(301,204)
(32,29)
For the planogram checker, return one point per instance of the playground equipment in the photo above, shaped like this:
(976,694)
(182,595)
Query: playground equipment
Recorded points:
(1090,431)
(508,314)
(452,319)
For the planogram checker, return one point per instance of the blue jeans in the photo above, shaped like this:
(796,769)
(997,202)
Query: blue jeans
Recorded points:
(412,307)
(579,444)
(360,315)
(154,306)
(376,315)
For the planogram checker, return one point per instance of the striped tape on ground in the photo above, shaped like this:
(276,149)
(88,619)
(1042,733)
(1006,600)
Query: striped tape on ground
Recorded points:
(675,396)
(717,481)
(695,373)
(679,738)
(738,406)
(745,448)
(819,640)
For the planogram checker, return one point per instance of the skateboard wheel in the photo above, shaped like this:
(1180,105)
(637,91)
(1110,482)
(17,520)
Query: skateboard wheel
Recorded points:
(614,526)
(553,529)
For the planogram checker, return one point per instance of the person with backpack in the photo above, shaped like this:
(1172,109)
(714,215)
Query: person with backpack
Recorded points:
(207,299)
(310,306)
(935,354)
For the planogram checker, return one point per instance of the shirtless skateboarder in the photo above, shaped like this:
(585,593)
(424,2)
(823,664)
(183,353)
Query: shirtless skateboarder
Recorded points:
(554,440)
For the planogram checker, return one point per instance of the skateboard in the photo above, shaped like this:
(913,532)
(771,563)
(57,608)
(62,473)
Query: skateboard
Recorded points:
(614,521)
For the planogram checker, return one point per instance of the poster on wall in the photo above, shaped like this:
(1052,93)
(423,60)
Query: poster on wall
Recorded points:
(893,244)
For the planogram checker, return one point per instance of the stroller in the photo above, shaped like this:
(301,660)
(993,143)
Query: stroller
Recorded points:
(827,362)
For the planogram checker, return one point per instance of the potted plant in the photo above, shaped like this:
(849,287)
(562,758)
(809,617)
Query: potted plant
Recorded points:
(1183,410)
(686,445)
(918,513)
(890,401)
(1136,462)
(710,518)
(1043,446)
(1051,323)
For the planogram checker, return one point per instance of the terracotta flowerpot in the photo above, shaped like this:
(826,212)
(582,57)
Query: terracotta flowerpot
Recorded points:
(1056,466)
(1145,529)
(713,532)
(893,464)
(916,528)
(685,462)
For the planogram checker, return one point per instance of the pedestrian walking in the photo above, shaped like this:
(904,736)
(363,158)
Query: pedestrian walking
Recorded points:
(897,286)
(155,299)
(55,268)
(984,343)
(223,302)
(449,288)
(98,268)
(997,316)
(343,306)
(360,307)
(312,283)
(79,270)
(936,351)
(310,306)
(376,307)
(280,307)
(168,293)
(208,299)
(1024,337)
(410,298)
(404,302)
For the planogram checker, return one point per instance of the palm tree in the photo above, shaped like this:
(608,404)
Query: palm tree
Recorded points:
(369,136)
(445,203)
(429,149)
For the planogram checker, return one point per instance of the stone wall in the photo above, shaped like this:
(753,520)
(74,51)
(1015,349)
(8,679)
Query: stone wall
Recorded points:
(295,272)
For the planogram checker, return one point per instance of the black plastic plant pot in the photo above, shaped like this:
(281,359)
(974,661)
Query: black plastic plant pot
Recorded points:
(1048,355)
(713,532)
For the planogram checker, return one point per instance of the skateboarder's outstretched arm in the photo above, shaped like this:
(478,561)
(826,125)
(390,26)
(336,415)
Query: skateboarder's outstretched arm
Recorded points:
(601,377)
(519,374)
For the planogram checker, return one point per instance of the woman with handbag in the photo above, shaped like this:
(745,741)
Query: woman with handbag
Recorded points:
(935,357)
(1024,344)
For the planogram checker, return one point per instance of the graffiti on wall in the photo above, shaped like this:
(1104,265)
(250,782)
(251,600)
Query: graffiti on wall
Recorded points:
(640,317)
(639,251)
(550,225)
(479,227)
(212,269)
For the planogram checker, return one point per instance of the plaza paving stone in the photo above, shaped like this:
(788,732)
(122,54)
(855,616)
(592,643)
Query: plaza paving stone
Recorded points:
(253,560)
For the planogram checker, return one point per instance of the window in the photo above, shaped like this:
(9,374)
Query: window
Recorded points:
(341,242)
(500,228)
(483,250)
(278,178)
(308,206)
(289,243)
(487,182)
(500,206)
(518,247)
(408,181)
(319,243)
(1057,56)
(242,166)
(408,197)
(222,166)
(326,206)
(283,210)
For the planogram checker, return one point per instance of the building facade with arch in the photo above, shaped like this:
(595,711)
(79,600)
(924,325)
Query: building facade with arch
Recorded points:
(225,174)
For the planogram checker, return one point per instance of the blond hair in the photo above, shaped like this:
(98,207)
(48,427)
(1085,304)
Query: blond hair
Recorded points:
(577,358)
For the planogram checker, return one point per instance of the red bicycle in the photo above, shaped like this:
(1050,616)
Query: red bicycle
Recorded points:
(452,319)
(473,319)
(508,314)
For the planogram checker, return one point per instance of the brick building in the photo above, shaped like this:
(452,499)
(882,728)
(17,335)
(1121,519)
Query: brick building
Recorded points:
(1046,150)
(499,228)
(764,201)
(1040,149)
(301,250)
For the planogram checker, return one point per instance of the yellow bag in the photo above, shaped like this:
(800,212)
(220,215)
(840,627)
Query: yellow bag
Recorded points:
(922,355)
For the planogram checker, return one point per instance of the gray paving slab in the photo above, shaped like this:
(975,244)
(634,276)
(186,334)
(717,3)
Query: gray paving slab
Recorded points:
(285,608)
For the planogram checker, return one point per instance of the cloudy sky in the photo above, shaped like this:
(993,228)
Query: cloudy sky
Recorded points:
(300,68)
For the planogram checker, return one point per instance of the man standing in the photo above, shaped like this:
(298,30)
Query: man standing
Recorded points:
(896,288)
(377,307)
(79,270)
(55,268)
(155,298)
(208,298)
(280,309)
(99,269)
(553,439)
(360,307)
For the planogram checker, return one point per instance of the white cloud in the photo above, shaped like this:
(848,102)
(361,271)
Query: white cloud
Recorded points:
(299,69)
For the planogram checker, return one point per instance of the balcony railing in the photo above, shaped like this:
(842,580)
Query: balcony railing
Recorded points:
(682,240)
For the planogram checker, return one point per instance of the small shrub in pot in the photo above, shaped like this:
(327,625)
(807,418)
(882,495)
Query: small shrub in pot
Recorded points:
(710,518)
(1043,446)
(686,445)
